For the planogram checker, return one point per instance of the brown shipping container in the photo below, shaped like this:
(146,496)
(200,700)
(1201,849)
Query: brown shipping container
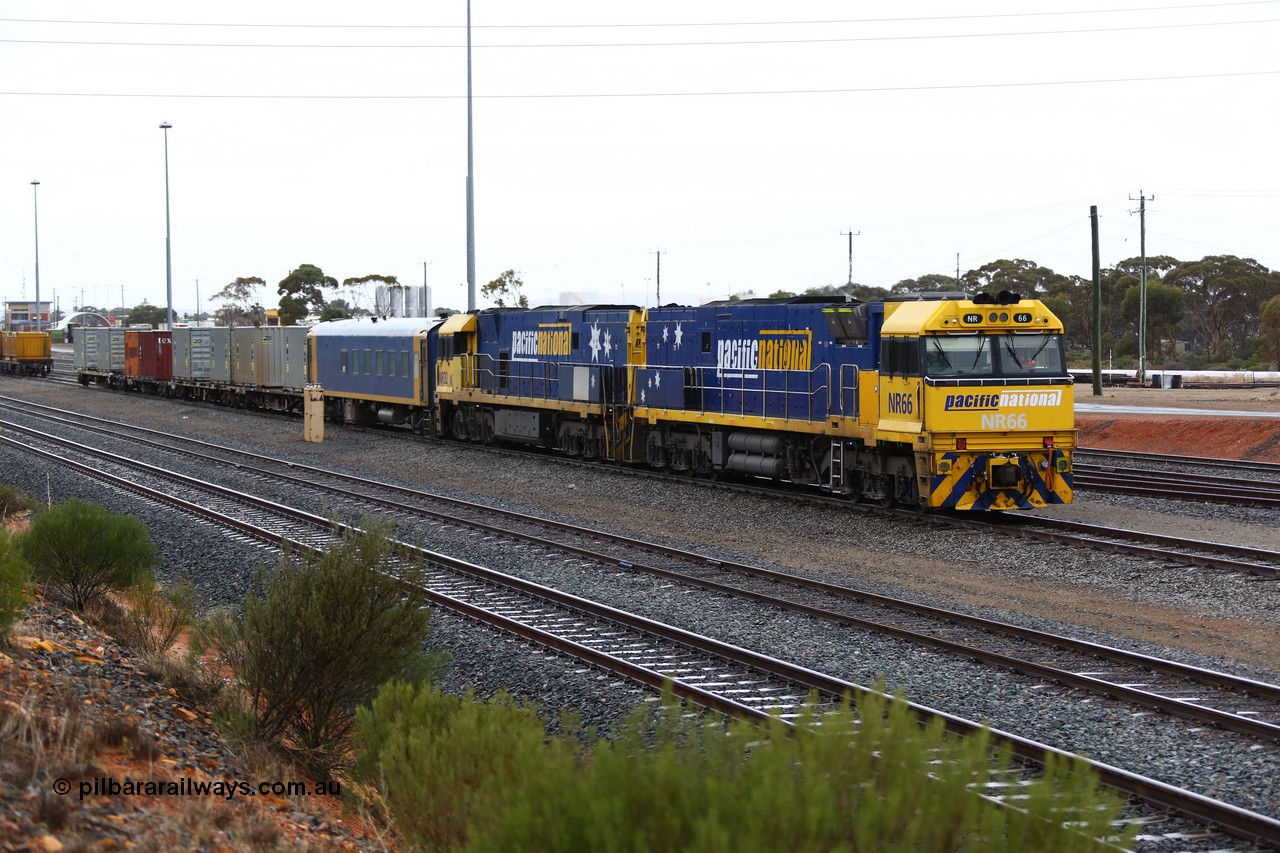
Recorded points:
(148,354)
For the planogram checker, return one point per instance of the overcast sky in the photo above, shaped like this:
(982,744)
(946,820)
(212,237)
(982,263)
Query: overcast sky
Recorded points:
(740,139)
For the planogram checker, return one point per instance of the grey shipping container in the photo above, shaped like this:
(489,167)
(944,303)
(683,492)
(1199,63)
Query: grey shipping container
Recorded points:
(181,353)
(268,357)
(193,354)
(219,354)
(279,356)
(100,349)
(81,354)
(243,343)
(295,357)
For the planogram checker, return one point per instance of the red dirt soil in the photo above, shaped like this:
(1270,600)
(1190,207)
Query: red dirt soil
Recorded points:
(1203,435)
(1163,430)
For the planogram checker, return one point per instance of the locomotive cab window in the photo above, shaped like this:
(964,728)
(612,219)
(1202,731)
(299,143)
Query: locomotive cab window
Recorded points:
(901,357)
(1031,355)
(959,355)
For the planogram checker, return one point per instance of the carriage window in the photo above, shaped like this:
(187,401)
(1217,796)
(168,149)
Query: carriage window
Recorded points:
(342,360)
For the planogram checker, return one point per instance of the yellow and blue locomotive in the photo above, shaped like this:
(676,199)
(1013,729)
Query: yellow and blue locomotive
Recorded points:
(938,401)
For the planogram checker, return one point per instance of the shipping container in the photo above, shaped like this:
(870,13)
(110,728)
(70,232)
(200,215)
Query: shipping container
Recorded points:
(192,354)
(244,341)
(219,354)
(148,354)
(295,357)
(100,349)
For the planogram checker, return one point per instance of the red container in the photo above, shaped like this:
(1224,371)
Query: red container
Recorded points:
(148,354)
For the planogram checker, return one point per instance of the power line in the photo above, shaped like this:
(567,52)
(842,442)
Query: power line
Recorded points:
(724,93)
(612,45)
(819,22)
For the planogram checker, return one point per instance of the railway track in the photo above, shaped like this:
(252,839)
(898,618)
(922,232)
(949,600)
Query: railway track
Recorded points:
(1214,698)
(1176,486)
(723,677)
(1185,478)
(1227,557)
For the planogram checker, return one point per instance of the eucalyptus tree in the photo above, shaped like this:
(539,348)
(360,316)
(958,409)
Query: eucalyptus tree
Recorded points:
(1224,299)
(304,290)
(240,306)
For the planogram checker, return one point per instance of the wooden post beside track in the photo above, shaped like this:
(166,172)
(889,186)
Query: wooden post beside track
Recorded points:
(313,414)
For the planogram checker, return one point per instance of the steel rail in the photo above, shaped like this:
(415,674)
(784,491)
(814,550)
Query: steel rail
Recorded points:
(1111,688)
(1232,819)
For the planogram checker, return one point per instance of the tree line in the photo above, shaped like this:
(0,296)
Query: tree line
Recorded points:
(1221,311)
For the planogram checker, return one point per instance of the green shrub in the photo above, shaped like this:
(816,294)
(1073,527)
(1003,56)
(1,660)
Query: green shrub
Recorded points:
(155,616)
(13,500)
(81,550)
(445,764)
(316,637)
(476,777)
(14,577)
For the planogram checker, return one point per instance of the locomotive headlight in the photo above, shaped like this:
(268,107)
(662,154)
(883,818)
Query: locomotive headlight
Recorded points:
(1063,464)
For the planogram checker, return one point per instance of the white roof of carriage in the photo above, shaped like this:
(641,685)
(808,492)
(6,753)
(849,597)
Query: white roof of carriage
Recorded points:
(392,327)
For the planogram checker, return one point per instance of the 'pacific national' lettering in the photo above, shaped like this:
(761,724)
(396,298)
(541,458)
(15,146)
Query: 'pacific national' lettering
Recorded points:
(771,351)
(1002,400)
(546,340)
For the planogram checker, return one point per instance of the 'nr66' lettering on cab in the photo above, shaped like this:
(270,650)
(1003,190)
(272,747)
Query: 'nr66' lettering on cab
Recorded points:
(1009,421)
(900,403)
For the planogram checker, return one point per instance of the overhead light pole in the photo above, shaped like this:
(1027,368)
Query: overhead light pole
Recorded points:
(168,250)
(471,184)
(35,209)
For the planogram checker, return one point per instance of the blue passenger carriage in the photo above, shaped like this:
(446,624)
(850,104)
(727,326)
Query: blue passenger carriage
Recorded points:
(375,370)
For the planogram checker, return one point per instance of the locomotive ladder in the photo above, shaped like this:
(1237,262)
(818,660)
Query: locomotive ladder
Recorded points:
(837,466)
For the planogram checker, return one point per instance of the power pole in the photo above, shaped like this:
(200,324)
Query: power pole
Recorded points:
(1142,292)
(850,234)
(659,279)
(1097,304)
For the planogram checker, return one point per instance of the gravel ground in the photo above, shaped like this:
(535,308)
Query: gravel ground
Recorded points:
(1206,617)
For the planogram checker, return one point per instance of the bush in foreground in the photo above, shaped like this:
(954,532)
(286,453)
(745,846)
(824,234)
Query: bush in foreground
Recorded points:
(458,775)
(81,551)
(316,637)
(14,577)
(13,501)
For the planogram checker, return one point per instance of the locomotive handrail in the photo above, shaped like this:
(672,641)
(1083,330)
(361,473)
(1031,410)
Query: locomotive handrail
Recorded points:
(812,394)
(996,381)
(848,388)
(543,378)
